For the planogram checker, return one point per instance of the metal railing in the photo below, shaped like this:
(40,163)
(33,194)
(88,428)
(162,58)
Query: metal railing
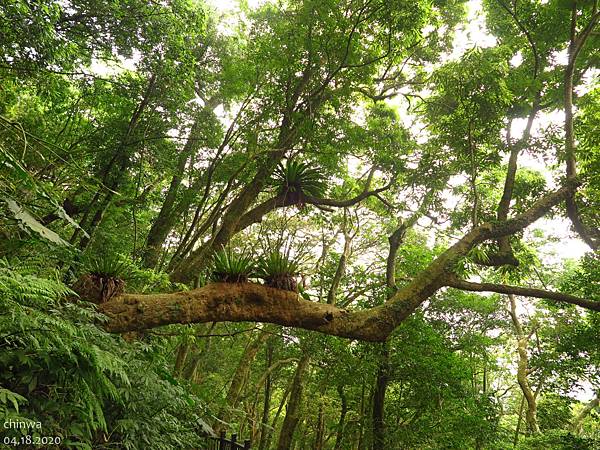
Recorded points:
(222,443)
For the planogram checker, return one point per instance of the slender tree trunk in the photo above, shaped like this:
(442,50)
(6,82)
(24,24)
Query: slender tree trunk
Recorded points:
(192,368)
(292,416)
(186,269)
(523,370)
(122,157)
(172,207)
(239,379)
(590,235)
(263,427)
(181,359)
(262,430)
(381,383)
(360,445)
(166,218)
(519,420)
(577,423)
(277,414)
(319,428)
(505,254)
(341,268)
(342,421)
(382,377)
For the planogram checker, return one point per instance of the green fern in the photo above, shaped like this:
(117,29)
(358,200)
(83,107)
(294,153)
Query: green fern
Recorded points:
(58,367)
(296,177)
(230,267)
(109,266)
(277,263)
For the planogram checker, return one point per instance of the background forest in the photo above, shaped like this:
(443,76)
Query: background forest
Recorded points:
(318,224)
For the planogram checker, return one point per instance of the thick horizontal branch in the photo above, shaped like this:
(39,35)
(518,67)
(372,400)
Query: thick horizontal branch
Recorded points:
(241,302)
(523,292)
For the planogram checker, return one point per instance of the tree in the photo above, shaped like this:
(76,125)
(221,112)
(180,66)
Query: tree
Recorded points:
(345,167)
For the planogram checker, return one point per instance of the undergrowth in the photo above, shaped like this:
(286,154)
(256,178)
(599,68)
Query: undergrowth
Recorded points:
(88,387)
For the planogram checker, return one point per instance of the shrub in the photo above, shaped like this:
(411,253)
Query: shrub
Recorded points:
(87,387)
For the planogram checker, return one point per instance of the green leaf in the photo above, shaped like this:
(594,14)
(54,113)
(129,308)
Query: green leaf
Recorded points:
(28,221)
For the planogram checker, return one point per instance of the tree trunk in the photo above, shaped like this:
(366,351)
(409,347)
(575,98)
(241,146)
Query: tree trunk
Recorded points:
(590,235)
(381,382)
(122,156)
(342,421)
(577,424)
(519,420)
(239,379)
(186,269)
(172,209)
(277,414)
(166,218)
(193,367)
(181,359)
(292,415)
(523,370)
(341,268)
(319,428)
(266,377)
(262,430)
(360,444)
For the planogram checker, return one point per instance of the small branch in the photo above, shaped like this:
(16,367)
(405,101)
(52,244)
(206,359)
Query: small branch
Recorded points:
(522,291)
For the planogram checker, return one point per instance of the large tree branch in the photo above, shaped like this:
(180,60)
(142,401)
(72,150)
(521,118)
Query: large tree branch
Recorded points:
(505,254)
(347,202)
(283,200)
(589,235)
(524,292)
(238,302)
(243,302)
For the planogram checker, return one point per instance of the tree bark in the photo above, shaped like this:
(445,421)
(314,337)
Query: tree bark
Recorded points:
(519,420)
(187,268)
(262,430)
(193,368)
(181,359)
(590,235)
(381,383)
(239,379)
(341,269)
(292,415)
(360,444)
(172,207)
(277,414)
(523,370)
(122,157)
(319,428)
(339,436)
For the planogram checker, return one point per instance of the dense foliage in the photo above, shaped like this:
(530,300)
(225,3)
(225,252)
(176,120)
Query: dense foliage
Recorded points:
(423,174)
